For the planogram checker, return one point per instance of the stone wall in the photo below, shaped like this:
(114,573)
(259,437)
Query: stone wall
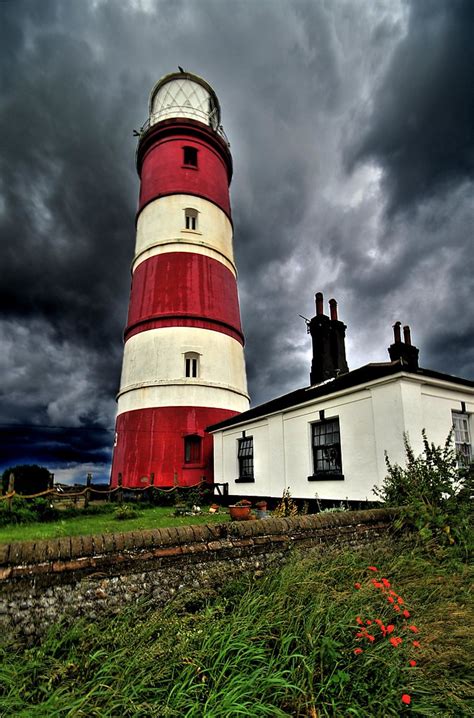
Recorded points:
(44,581)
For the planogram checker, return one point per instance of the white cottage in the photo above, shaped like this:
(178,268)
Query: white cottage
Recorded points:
(328,440)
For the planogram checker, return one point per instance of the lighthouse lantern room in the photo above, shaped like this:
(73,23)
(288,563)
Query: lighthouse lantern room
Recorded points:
(183,365)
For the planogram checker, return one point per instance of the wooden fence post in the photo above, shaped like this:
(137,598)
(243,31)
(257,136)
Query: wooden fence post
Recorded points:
(11,489)
(120,490)
(87,496)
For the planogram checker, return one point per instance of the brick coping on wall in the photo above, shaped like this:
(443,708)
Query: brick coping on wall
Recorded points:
(112,552)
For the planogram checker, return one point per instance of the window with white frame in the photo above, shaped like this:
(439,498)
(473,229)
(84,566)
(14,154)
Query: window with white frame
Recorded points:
(245,458)
(326,448)
(191,365)
(191,218)
(462,437)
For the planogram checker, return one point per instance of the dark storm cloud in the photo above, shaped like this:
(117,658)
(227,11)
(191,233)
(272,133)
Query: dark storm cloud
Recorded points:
(421,129)
(294,80)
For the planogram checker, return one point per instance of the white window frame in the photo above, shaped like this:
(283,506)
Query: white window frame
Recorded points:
(191,365)
(191,219)
(462,436)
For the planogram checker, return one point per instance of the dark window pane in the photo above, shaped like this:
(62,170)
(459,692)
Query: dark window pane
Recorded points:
(192,449)
(190,156)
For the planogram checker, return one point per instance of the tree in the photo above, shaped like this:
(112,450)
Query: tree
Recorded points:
(29,478)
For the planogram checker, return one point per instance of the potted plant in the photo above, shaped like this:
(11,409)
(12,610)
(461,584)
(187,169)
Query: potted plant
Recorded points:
(261,507)
(240,511)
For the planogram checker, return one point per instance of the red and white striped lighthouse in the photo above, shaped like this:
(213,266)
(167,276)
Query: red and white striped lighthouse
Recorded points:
(183,366)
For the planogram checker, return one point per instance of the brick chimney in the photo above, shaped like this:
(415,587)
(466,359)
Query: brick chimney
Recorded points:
(328,337)
(403,351)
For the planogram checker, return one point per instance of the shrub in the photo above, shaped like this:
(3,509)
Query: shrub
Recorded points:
(27,511)
(433,491)
(124,512)
(286,506)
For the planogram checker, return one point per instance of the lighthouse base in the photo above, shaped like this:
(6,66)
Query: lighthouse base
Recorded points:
(165,446)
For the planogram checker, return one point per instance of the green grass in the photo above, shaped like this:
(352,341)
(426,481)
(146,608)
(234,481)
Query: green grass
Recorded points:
(149,518)
(278,646)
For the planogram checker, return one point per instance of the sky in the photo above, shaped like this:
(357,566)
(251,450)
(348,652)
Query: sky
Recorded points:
(351,126)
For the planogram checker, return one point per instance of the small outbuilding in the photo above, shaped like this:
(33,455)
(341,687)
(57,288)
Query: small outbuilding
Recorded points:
(329,440)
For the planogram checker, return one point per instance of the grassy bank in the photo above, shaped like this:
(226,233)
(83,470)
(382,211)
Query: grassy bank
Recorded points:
(148,518)
(276,646)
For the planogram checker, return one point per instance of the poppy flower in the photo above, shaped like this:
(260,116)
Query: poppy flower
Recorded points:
(359,621)
(368,622)
(406,613)
(378,622)
(360,635)
(393,593)
(397,608)
(400,600)
(358,651)
(413,628)
(377,584)
(417,644)
(357,585)
(406,699)
(395,641)
(390,628)
(372,568)
(390,599)
(386,583)
(412,663)
(370,637)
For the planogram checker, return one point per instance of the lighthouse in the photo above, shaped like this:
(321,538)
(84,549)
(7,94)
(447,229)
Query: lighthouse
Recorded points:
(183,365)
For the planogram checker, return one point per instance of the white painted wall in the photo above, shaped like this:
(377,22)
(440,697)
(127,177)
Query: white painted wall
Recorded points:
(161,228)
(372,419)
(154,370)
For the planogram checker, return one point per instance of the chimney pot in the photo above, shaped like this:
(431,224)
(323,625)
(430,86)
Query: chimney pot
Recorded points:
(397,336)
(333,309)
(407,335)
(319,303)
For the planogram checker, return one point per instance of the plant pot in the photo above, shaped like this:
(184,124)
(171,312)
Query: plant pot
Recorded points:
(239,513)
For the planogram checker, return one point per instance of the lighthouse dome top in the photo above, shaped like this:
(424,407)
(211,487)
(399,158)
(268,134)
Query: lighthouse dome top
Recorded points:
(183,94)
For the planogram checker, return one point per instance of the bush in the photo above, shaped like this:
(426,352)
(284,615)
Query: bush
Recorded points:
(27,511)
(124,512)
(433,491)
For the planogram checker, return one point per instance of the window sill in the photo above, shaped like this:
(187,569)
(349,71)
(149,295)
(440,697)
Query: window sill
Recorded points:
(192,231)
(326,476)
(245,480)
(199,465)
(189,167)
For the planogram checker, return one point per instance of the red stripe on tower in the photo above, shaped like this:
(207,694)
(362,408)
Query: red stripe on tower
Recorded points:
(183,366)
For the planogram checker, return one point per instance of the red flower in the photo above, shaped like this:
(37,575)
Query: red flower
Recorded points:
(358,651)
(390,628)
(359,621)
(395,641)
(370,638)
(372,568)
(412,663)
(400,600)
(406,699)
(357,585)
(378,622)
(416,644)
(406,613)
(386,583)
(368,622)
(397,608)
(390,599)
(393,593)
(377,584)
(360,635)
(413,628)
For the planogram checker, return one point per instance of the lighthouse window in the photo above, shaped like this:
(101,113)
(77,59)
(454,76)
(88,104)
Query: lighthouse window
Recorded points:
(192,449)
(190,156)
(191,365)
(190,218)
